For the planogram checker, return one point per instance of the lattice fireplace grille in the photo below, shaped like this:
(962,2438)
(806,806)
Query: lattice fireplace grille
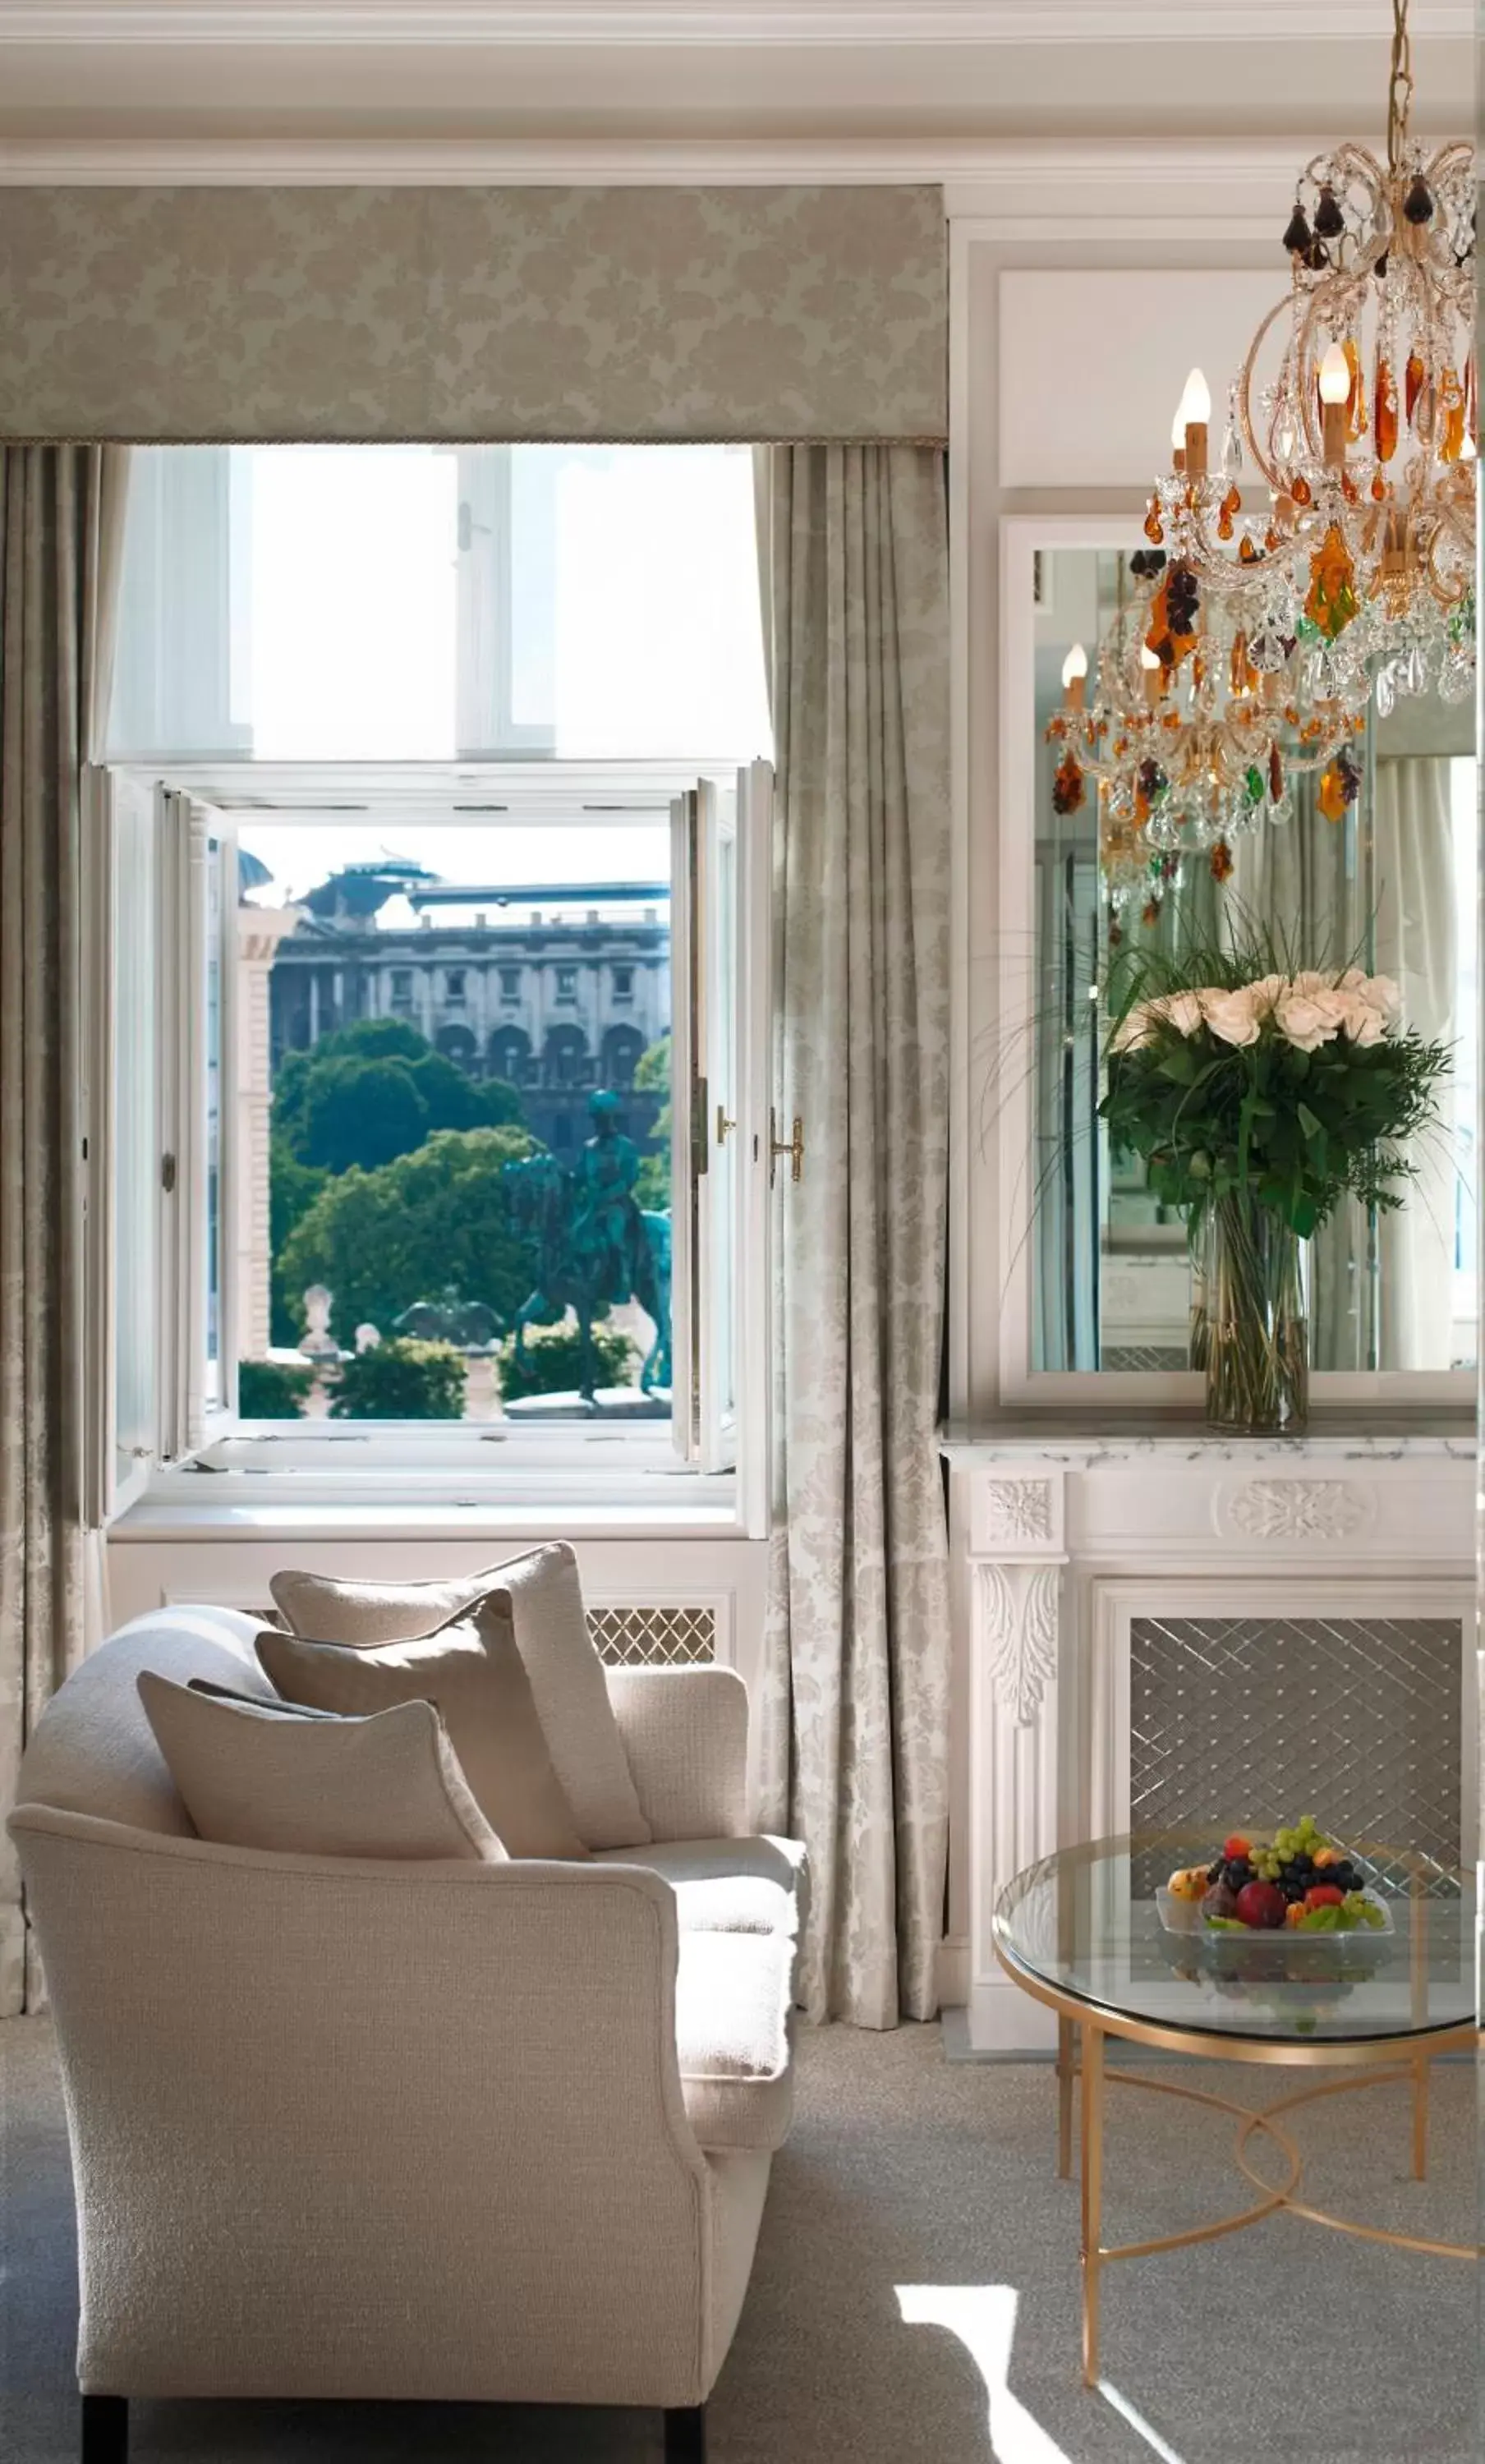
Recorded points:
(667,1638)
(1355,1720)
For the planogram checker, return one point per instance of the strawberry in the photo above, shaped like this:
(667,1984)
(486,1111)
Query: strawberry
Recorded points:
(1237,1846)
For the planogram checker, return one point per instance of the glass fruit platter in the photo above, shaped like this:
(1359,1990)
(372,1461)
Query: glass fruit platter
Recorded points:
(1296,1886)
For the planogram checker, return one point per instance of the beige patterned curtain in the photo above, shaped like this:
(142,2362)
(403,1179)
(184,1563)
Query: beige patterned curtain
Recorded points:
(60,532)
(855,1710)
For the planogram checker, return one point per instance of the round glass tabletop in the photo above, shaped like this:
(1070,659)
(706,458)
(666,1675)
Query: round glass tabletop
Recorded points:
(1087,1926)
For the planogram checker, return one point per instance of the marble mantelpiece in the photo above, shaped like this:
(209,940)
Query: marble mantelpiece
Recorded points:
(1067,1529)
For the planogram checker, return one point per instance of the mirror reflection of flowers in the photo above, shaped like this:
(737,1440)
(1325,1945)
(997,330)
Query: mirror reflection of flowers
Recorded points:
(1260,1094)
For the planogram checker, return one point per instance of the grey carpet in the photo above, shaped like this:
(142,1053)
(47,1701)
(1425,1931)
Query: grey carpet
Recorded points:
(905,2172)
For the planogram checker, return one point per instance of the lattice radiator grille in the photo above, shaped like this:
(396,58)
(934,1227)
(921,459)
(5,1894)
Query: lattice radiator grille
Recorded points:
(1355,1720)
(667,1638)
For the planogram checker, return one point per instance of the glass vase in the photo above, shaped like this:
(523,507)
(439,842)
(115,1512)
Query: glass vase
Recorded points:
(1255,1275)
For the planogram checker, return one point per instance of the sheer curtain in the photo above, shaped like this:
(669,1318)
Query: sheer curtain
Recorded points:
(855,1710)
(60,534)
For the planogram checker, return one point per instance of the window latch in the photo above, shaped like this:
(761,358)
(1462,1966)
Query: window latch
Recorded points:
(723,1124)
(167,1174)
(793,1148)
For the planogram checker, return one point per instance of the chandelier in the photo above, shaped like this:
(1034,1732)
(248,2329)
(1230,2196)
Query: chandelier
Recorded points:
(1364,441)
(1194,731)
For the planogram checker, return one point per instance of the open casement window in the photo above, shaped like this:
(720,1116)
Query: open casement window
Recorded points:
(197,908)
(719,1080)
(121,890)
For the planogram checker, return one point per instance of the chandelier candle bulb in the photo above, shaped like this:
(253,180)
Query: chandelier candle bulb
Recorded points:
(1335,390)
(1154,676)
(1192,420)
(1074,677)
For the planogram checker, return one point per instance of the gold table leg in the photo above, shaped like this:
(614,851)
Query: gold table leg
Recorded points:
(1066,2042)
(1093,2192)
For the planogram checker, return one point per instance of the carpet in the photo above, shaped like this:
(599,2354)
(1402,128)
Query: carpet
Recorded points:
(916,2291)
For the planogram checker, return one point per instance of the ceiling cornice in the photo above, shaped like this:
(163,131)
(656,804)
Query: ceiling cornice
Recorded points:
(1007,167)
(543,25)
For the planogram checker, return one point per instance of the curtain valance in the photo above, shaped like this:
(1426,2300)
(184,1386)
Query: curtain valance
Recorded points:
(372,314)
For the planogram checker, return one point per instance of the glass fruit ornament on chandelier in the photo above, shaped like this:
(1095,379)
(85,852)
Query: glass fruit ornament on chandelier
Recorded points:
(1364,446)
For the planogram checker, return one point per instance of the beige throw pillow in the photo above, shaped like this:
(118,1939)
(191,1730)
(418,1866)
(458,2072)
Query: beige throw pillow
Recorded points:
(472,1672)
(566,1675)
(257,1775)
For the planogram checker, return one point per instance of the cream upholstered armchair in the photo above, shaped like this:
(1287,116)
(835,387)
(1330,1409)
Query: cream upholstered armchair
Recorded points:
(373,2129)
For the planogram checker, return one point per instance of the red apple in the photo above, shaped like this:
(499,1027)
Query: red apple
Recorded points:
(1261,1905)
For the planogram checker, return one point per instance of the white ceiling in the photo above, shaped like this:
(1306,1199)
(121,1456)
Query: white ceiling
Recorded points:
(790,70)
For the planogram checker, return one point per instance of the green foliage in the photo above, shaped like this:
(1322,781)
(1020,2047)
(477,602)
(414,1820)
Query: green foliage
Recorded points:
(369,1092)
(652,1077)
(292,1188)
(364,1112)
(273,1390)
(1288,1129)
(550,1361)
(430,1222)
(401,1381)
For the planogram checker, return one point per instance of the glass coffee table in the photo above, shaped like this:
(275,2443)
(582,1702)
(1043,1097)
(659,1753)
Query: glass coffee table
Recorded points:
(1081,1933)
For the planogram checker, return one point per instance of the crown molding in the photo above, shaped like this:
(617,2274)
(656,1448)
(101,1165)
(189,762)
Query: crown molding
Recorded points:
(543,25)
(1041,181)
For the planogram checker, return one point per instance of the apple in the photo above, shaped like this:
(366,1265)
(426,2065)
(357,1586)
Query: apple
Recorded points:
(1261,1905)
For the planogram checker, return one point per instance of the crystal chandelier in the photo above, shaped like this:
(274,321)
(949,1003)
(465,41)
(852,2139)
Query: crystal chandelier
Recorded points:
(1195,729)
(1365,441)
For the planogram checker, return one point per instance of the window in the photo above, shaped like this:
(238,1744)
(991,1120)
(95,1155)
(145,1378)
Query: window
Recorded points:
(410,1022)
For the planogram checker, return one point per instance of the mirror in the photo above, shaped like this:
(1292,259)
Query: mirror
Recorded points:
(1392,886)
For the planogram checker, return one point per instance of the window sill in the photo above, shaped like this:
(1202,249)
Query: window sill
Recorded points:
(432,1503)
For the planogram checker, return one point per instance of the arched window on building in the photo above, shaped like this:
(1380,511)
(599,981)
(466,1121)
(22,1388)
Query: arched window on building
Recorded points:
(509,1050)
(457,1044)
(565,1058)
(622,1046)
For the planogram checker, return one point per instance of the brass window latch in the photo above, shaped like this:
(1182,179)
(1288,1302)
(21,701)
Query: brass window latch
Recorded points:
(793,1148)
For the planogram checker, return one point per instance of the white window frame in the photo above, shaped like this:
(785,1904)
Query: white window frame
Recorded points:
(572,1464)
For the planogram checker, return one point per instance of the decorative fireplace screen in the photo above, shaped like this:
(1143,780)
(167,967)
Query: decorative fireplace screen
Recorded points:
(1355,1720)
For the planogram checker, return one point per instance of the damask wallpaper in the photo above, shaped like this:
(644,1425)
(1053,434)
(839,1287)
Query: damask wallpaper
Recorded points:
(366,314)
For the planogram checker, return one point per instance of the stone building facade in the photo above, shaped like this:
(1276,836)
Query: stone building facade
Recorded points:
(558,1001)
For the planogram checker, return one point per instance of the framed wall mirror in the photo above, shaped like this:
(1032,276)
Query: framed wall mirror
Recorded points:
(1096,1280)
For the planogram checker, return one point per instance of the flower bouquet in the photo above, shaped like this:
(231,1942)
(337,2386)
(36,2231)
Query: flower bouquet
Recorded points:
(1259,1096)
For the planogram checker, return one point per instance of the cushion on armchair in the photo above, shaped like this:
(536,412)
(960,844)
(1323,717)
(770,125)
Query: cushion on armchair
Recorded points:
(263,1776)
(733,1995)
(472,1673)
(544,1596)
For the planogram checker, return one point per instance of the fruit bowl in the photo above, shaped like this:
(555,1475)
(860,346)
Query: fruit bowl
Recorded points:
(1296,1885)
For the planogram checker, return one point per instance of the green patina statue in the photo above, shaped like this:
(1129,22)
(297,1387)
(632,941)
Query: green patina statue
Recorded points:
(596,1247)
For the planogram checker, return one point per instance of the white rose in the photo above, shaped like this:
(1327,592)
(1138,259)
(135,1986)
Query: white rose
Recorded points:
(1184,1011)
(1309,1020)
(1265,990)
(1134,1029)
(1309,980)
(1362,1024)
(1235,1018)
(1381,994)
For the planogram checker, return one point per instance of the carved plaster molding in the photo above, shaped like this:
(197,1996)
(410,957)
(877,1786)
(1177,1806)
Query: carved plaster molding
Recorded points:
(1016,1514)
(1297,1510)
(1019,1633)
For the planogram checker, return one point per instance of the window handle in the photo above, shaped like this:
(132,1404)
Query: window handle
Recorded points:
(723,1124)
(793,1148)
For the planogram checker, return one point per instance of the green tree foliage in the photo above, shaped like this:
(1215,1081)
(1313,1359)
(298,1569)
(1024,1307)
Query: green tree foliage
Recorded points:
(401,1381)
(550,1360)
(373,1091)
(431,1221)
(652,1077)
(273,1390)
(292,1188)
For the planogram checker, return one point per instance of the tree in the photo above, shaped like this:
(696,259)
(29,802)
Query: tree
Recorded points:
(369,1092)
(273,1390)
(292,1188)
(361,1111)
(550,1360)
(431,1221)
(652,1077)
